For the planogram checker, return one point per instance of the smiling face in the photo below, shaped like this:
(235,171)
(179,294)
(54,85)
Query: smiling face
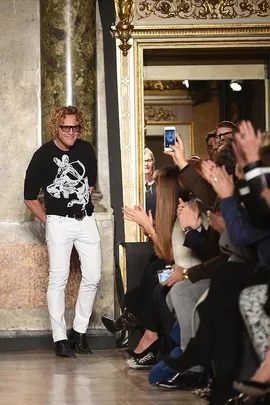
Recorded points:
(222,134)
(66,137)
(148,164)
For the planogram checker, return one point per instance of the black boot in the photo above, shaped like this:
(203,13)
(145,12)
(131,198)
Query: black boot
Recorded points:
(62,349)
(78,342)
(125,321)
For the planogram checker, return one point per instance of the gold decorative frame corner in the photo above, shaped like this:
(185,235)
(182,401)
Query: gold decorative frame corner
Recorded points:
(131,91)
(122,31)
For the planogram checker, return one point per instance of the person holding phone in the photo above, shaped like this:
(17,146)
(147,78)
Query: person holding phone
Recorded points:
(192,180)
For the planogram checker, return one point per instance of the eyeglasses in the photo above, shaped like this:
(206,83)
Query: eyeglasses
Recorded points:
(219,137)
(67,128)
(148,161)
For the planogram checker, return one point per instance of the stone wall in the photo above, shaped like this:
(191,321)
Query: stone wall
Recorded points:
(23,253)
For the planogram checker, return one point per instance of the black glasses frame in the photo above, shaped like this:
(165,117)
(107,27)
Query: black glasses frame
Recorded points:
(66,128)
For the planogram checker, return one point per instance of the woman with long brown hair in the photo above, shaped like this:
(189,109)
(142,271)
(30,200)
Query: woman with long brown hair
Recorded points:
(168,238)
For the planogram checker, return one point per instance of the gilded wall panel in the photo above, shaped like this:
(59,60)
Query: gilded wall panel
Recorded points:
(128,136)
(210,10)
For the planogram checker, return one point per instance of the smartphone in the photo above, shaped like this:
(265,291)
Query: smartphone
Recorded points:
(164,274)
(169,138)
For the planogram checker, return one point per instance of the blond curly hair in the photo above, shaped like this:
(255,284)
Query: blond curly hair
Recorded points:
(57,118)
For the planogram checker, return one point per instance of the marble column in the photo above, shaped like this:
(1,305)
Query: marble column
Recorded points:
(68,59)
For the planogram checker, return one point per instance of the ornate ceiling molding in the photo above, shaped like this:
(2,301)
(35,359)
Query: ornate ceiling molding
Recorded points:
(123,29)
(202,9)
(158,114)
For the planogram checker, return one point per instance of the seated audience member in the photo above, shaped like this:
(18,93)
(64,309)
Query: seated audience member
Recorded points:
(255,164)
(186,291)
(168,237)
(190,177)
(219,335)
(150,185)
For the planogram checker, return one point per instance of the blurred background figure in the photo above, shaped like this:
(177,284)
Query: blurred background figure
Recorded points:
(149,179)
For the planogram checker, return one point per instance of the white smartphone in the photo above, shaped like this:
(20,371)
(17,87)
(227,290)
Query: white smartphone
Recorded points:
(163,275)
(169,138)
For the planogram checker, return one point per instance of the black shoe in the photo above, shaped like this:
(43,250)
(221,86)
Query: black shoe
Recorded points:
(126,321)
(241,399)
(154,348)
(252,388)
(191,379)
(62,349)
(143,363)
(194,355)
(78,342)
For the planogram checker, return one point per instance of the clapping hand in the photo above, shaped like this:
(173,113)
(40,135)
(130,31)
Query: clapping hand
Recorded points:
(247,143)
(216,221)
(218,177)
(189,216)
(138,215)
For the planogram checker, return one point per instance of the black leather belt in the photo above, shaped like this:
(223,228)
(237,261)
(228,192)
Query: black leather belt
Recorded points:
(79,215)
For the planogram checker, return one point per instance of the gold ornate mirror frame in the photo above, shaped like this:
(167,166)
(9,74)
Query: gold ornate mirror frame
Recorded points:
(218,35)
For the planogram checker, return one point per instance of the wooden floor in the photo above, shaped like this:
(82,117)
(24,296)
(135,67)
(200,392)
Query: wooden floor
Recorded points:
(40,378)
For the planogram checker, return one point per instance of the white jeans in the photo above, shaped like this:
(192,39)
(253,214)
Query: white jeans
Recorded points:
(62,233)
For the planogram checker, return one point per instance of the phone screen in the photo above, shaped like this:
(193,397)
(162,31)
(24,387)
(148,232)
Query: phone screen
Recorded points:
(169,137)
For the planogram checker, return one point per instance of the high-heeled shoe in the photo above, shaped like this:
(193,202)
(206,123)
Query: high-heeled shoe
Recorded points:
(153,348)
(194,355)
(241,399)
(126,321)
(252,388)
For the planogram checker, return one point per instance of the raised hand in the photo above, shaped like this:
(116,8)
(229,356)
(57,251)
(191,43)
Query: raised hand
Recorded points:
(190,216)
(222,182)
(178,153)
(216,221)
(206,168)
(247,143)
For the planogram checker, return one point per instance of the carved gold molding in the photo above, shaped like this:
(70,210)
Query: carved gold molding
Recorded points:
(163,85)
(221,32)
(123,29)
(202,9)
(158,114)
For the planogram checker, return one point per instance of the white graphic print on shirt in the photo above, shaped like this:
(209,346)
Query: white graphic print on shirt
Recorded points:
(69,181)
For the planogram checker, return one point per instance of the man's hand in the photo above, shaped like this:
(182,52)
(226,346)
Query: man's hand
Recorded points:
(92,189)
(37,209)
(190,216)
(178,153)
(175,277)
(216,221)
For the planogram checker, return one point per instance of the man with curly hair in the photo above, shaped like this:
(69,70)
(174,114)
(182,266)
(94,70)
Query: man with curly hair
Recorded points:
(65,168)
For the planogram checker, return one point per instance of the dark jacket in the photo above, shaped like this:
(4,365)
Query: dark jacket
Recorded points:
(257,178)
(199,187)
(242,232)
